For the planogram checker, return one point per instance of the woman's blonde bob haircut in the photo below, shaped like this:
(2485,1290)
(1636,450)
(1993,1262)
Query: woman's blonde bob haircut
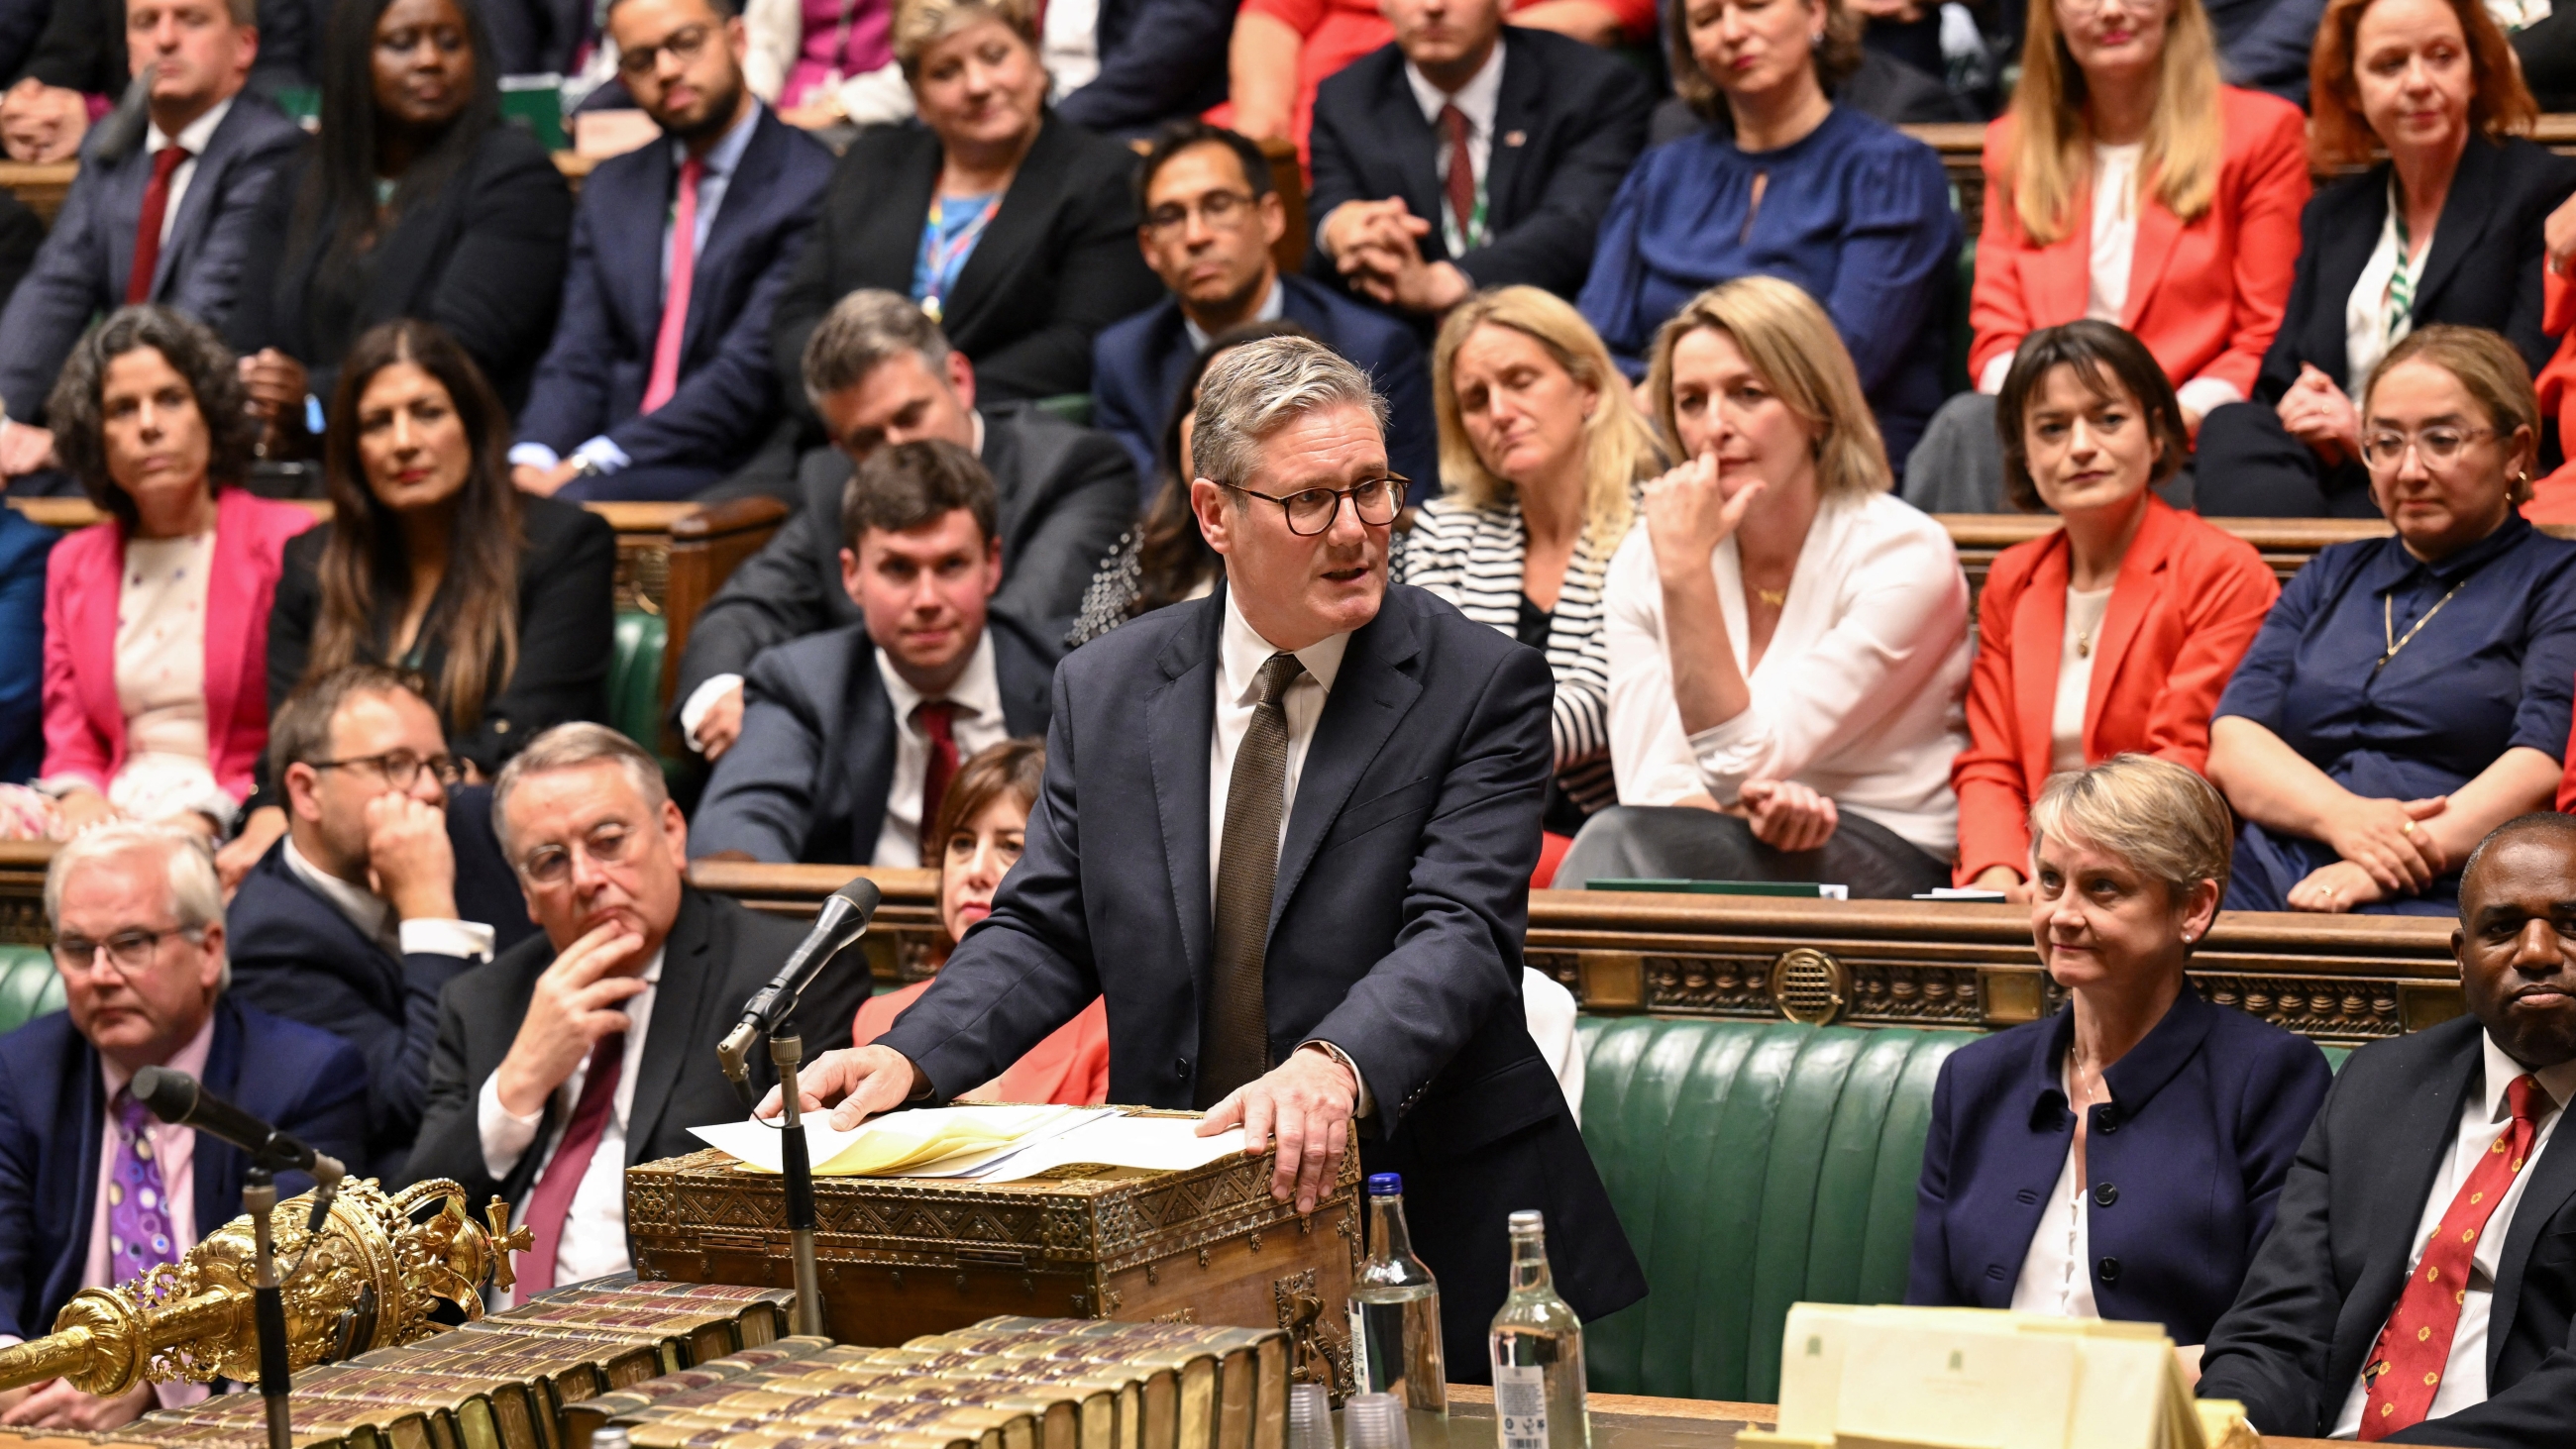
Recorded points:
(1619,448)
(2158,816)
(2052,146)
(1792,344)
(2491,370)
(921,24)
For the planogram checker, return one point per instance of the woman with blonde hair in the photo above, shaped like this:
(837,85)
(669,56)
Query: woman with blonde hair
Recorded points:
(2127,184)
(1787,641)
(1541,457)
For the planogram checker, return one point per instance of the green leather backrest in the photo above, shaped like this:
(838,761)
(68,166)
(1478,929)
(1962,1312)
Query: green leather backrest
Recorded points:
(1073,407)
(29,985)
(1754,1165)
(635,677)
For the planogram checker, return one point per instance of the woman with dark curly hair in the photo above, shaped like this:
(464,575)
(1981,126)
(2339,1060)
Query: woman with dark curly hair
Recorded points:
(155,619)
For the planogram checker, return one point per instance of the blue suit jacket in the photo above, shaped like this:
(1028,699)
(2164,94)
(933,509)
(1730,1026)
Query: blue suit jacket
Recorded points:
(53,1108)
(1137,366)
(2185,1162)
(592,379)
(1396,924)
(1159,59)
(24,549)
(82,268)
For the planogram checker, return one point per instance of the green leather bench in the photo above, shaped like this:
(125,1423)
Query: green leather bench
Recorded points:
(635,677)
(29,985)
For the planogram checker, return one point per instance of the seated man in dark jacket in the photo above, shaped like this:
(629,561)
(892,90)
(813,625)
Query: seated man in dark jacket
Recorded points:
(850,737)
(880,372)
(2417,1285)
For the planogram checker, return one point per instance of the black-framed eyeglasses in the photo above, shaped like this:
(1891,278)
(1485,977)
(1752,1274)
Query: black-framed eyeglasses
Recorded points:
(131,949)
(1310,511)
(400,767)
(1223,210)
(684,45)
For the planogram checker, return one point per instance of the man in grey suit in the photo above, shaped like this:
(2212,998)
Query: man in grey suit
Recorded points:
(162,216)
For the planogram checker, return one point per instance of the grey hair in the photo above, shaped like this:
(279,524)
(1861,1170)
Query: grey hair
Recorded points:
(196,892)
(569,747)
(1253,391)
(864,330)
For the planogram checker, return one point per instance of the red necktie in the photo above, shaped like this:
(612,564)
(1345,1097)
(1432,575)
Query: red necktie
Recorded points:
(147,232)
(551,1203)
(938,720)
(2406,1364)
(1461,182)
(675,304)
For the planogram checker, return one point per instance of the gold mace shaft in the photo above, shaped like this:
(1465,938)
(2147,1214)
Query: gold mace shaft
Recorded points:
(102,1344)
(54,1356)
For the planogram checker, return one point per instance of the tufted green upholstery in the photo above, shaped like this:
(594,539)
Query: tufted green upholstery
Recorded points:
(29,985)
(1073,407)
(635,677)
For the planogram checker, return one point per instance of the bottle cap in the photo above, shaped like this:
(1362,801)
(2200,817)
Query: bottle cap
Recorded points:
(1528,1220)
(1385,1184)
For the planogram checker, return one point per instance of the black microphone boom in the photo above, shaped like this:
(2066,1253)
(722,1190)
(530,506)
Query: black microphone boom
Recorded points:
(843,919)
(178,1099)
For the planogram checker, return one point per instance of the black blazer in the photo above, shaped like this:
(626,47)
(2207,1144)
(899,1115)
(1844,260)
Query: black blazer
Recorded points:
(567,576)
(807,781)
(1058,263)
(483,257)
(2483,270)
(1065,494)
(1395,929)
(1579,114)
(2325,1280)
(717,955)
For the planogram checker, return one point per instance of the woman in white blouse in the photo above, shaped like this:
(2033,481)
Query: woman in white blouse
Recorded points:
(1787,641)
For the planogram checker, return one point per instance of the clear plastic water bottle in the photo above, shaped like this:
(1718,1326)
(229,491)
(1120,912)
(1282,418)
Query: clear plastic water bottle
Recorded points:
(1395,1320)
(1537,1347)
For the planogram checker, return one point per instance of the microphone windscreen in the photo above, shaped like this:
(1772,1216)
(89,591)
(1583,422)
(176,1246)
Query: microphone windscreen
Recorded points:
(171,1095)
(862,893)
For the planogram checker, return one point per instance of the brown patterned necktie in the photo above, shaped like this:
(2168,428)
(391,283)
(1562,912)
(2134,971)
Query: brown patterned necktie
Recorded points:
(1234,1032)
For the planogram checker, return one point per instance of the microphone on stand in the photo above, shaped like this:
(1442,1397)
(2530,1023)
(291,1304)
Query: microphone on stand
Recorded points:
(843,919)
(181,1101)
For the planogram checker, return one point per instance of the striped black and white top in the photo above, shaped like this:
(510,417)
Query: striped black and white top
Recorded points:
(1472,558)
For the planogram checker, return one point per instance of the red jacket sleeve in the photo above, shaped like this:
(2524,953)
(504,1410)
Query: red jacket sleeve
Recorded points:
(1994,793)
(1998,314)
(2226,590)
(2553,499)
(2275,190)
(74,746)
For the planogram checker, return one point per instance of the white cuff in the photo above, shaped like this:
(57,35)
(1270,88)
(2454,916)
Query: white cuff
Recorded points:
(1990,380)
(1727,754)
(880,96)
(431,936)
(506,1137)
(2202,395)
(1366,1105)
(702,699)
(532,455)
(604,455)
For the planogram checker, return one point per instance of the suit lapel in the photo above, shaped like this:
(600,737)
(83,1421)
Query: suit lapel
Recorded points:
(1516,114)
(691,968)
(1180,721)
(869,751)
(2553,1182)
(1017,230)
(217,1166)
(755,177)
(94,639)
(636,265)
(86,1096)
(2415,1138)
(231,586)
(205,184)
(1417,154)
(1024,676)
(2158,230)
(2466,210)
(2039,645)
(1370,696)
(2141,575)
(2343,249)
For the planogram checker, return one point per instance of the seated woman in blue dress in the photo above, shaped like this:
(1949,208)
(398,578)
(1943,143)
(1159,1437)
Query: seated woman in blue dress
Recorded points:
(2135,1093)
(2408,694)
(1785,183)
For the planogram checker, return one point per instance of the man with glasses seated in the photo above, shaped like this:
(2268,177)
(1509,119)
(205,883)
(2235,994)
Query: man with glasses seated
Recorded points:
(94,1190)
(850,737)
(1211,217)
(355,920)
(577,1055)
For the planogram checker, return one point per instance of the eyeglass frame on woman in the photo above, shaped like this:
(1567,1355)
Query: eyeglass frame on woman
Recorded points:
(1394,483)
(142,943)
(444,767)
(2417,443)
(642,60)
(545,858)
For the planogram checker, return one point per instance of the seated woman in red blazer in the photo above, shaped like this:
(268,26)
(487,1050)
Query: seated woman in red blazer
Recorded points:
(2125,185)
(2114,634)
(156,620)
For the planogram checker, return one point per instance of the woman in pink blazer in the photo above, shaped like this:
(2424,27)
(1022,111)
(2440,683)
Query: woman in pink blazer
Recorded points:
(156,620)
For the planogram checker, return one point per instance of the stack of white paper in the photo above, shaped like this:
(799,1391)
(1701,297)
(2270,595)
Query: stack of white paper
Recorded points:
(990,1144)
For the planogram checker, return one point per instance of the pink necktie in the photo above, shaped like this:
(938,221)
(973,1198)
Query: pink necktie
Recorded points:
(675,304)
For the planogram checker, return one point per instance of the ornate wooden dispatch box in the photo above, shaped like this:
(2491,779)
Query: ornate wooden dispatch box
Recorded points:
(902,1257)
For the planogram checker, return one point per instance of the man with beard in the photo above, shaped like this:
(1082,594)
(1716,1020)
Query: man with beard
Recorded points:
(659,383)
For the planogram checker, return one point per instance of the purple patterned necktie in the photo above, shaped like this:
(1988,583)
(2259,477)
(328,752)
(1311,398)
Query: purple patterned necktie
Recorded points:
(138,1220)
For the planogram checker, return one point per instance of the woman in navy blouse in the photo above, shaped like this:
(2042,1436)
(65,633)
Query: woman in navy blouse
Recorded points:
(1785,183)
(2409,694)
(2121,1158)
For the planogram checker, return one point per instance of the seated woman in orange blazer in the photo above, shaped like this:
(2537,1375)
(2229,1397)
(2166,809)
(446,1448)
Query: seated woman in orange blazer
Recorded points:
(982,818)
(2114,634)
(2127,185)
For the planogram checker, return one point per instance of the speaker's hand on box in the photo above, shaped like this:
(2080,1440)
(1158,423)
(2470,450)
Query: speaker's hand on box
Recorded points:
(862,1081)
(1306,1103)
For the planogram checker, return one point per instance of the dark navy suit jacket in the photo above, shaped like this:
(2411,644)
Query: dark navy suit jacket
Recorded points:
(2184,1163)
(24,549)
(1395,934)
(592,379)
(53,1109)
(807,779)
(1158,59)
(1137,366)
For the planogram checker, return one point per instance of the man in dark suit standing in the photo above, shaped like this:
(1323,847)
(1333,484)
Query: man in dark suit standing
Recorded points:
(850,736)
(2419,1285)
(164,217)
(573,1057)
(658,383)
(880,372)
(94,1190)
(1211,217)
(1467,155)
(1313,805)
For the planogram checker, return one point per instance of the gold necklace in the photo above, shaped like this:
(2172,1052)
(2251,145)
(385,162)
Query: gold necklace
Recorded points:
(2388,623)
(2083,643)
(1776,598)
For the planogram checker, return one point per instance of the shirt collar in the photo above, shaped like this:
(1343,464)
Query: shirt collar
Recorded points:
(1273,306)
(726,153)
(1243,651)
(975,416)
(190,1059)
(2136,1077)
(371,913)
(193,135)
(1477,99)
(2558,1081)
(2507,537)
(978,691)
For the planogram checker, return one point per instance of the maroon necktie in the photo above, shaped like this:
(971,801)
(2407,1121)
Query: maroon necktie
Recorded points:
(551,1203)
(938,718)
(147,232)
(1461,183)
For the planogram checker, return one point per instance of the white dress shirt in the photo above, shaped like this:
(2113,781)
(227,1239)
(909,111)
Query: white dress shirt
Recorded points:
(1477,100)
(194,136)
(1274,305)
(1857,697)
(2366,335)
(594,1235)
(978,725)
(373,915)
(1069,44)
(2085,610)
(2483,1120)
